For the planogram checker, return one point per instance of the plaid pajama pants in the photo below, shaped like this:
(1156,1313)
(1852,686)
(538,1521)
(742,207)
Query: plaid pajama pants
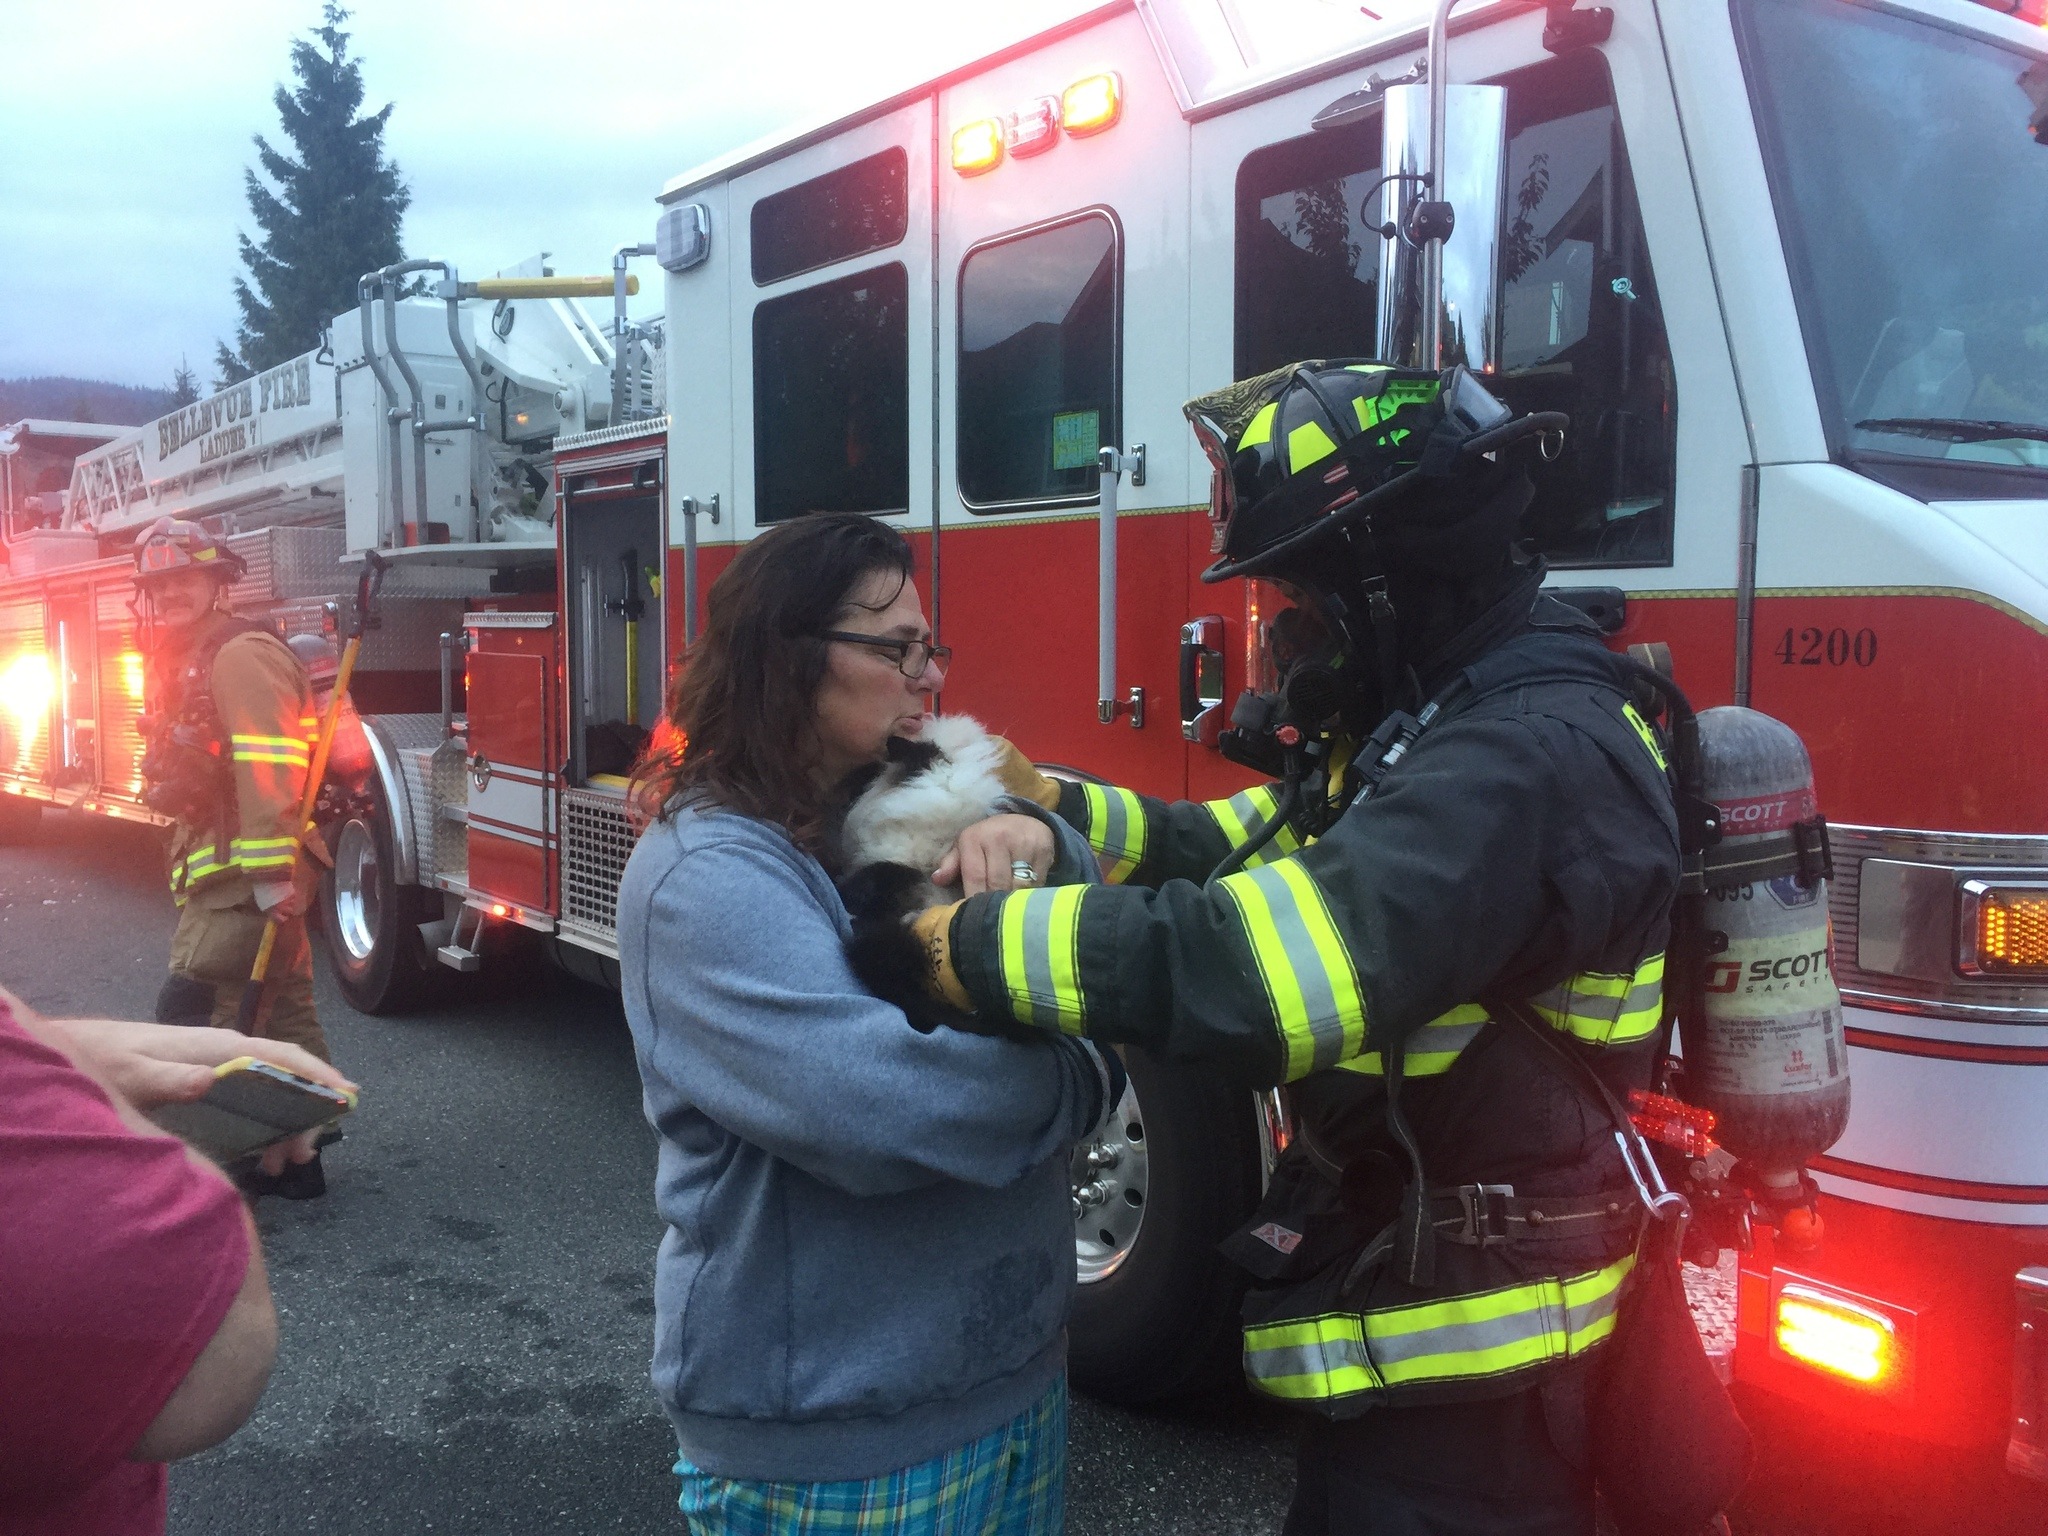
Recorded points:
(1011,1482)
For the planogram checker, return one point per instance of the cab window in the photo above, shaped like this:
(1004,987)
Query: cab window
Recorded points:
(1038,396)
(846,212)
(832,397)
(1581,328)
(1307,264)
(1582,331)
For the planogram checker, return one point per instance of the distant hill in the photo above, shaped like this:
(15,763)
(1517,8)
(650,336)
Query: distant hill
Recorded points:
(59,399)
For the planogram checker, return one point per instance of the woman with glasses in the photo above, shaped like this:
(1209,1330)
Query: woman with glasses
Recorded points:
(860,1299)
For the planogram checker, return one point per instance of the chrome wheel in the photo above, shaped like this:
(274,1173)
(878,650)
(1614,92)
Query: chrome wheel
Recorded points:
(1110,1179)
(358,910)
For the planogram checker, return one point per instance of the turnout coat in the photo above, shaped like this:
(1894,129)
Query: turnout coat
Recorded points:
(1513,872)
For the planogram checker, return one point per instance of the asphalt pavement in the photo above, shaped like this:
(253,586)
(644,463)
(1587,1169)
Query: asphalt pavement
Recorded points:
(467,1315)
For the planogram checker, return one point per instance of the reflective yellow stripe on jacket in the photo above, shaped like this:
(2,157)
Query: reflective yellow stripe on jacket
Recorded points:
(263,853)
(1431,1049)
(1310,981)
(1116,829)
(1642,729)
(291,751)
(1464,1338)
(1242,813)
(201,863)
(1591,1007)
(1041,965)
(1606,1010)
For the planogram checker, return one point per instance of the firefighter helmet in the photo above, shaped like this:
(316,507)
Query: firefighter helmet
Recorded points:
(1317,446)
(172,545)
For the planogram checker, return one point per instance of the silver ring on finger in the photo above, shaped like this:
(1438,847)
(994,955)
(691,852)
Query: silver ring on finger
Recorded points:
(1022,872)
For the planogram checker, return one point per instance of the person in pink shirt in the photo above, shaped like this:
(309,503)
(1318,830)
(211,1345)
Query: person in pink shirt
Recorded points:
(136,1324)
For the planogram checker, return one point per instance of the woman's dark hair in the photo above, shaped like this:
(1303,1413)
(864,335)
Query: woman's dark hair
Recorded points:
(741,713)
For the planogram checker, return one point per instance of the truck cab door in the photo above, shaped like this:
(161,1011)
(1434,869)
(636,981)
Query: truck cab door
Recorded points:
(831,331)
(1285,266)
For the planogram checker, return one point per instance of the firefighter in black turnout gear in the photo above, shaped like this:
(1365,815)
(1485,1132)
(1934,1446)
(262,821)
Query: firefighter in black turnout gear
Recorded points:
(1472,862)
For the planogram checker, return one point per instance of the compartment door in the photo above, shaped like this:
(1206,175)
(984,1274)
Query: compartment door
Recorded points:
(514,761)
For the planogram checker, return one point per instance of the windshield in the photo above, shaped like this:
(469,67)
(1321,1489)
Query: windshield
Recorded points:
(1913,197)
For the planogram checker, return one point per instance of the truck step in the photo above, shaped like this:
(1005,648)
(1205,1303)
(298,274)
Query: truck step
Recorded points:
(448,942)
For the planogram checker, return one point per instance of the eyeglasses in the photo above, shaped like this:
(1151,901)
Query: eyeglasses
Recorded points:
(912,656)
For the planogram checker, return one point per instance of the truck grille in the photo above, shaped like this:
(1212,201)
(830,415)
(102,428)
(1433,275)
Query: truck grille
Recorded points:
(597,839)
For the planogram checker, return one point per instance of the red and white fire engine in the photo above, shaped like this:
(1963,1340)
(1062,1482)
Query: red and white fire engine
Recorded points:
(1780,260)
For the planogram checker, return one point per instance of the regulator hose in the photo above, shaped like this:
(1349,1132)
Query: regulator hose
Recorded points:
(1284,808)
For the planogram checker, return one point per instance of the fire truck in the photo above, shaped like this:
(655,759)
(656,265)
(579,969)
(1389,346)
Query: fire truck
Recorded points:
(1777,259)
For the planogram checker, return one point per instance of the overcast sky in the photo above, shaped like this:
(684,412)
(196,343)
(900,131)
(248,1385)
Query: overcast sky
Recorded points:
(125,126)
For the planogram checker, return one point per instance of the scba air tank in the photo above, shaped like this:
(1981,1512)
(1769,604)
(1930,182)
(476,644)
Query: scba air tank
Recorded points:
(1767,1054)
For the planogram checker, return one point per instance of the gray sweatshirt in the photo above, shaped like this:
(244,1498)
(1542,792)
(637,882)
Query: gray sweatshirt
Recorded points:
(870,1246)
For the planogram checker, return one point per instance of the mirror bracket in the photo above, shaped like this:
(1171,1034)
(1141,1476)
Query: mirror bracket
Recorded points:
(1565,28)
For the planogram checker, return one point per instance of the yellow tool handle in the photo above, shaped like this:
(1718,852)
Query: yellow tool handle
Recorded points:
(632,672)
(545,287)
(315,772)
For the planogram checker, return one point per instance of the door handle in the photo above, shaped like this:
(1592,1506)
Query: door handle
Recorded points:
(1113,467)
(1201,679)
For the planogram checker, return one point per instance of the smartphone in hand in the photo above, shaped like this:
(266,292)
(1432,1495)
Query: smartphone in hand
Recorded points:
(251,1105)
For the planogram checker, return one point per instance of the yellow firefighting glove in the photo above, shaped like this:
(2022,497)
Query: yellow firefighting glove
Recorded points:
(933,930)
(1023,780)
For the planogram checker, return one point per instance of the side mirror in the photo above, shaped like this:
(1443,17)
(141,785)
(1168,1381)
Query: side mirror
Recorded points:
(1466,212)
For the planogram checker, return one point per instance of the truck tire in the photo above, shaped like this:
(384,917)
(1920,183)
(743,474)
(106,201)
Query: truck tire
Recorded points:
(1176,1171)
(19,816)
(371,922)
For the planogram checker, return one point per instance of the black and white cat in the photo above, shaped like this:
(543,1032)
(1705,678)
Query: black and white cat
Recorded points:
(935,786)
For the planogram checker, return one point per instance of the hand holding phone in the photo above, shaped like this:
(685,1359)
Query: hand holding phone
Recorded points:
(249,1106)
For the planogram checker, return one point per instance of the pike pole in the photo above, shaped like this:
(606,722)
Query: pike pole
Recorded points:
(248,1017)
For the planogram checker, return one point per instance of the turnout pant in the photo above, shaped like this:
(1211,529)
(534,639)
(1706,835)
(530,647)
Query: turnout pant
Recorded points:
(211,955)
(1515,1466)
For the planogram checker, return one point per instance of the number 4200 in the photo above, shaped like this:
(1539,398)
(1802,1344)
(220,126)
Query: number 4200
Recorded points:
(1812,647)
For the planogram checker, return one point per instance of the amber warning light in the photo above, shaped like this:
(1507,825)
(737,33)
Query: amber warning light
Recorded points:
(1093,104)
(1088,106)
(2004,928)
(978,146)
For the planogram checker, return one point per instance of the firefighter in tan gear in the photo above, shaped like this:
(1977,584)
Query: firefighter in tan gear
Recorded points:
(229,741)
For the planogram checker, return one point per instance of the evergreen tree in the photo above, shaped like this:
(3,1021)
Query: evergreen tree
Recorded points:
(184,387)
(334,215)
